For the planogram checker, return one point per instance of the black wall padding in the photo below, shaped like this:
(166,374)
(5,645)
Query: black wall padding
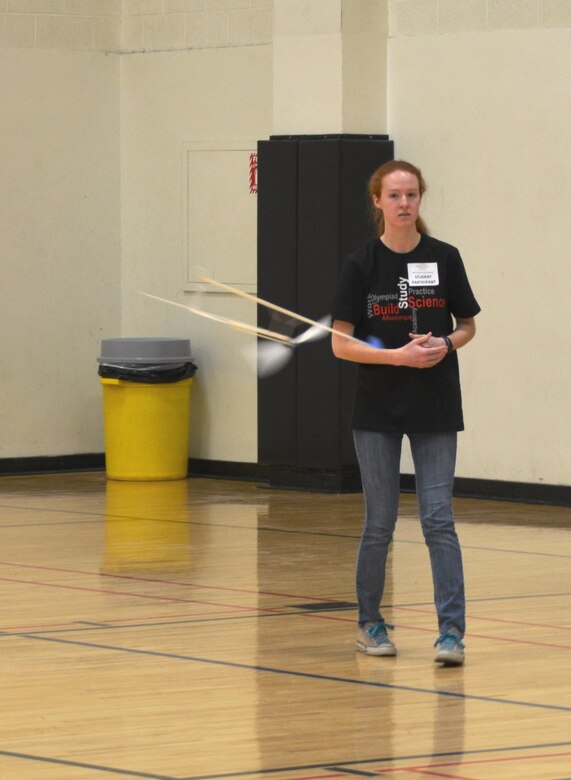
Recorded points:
(277,282)
(312,211)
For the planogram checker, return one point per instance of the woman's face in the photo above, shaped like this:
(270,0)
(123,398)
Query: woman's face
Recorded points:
(399,199)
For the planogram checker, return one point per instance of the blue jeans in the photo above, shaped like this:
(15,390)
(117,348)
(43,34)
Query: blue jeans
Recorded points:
(434,456)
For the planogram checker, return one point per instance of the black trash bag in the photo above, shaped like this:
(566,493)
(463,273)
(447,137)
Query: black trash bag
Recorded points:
(148,373)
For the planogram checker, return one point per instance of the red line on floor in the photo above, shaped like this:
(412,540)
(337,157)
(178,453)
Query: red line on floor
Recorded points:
(170,599)
(478,762)
(495,620)
(183,584)
(470,635)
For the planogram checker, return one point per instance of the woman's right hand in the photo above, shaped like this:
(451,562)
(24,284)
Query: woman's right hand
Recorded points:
(417,354)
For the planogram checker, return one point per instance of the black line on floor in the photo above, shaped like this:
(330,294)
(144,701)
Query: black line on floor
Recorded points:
(294,673)
(324,606)
(82,765)
(256,528)
(83,626)
(343,765)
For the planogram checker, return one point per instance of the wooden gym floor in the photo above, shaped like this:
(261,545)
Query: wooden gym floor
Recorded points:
(205,629)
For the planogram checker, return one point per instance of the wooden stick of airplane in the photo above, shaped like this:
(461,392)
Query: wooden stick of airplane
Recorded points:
(235,324)
(273,306)
(266,358)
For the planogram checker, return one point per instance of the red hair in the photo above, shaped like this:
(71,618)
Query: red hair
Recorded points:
(376,185)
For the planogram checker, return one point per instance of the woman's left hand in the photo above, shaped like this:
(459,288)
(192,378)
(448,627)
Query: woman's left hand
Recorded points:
(433,341)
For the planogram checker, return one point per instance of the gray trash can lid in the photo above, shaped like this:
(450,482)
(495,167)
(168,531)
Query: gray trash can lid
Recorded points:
(144,350)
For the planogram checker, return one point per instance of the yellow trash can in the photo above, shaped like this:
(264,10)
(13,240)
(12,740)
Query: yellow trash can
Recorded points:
(147,416)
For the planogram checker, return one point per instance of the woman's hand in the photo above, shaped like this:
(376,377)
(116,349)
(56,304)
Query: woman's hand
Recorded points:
(423,351)
(433,341)
(464,332)
(418,353)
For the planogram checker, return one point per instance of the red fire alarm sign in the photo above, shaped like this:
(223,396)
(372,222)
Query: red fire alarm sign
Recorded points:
(253,173)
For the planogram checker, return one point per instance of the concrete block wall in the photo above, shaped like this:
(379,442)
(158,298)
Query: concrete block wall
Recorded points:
(171,25)
(72,25)
(124,26)
(439,17)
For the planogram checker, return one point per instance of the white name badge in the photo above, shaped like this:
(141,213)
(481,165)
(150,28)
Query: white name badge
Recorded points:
(422,274)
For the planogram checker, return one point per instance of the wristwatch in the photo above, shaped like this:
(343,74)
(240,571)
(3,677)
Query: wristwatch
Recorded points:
(449,344)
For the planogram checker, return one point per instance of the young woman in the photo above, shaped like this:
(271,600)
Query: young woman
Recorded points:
(407,293)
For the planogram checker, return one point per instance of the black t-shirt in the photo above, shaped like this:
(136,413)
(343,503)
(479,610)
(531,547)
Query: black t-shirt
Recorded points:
(386,295)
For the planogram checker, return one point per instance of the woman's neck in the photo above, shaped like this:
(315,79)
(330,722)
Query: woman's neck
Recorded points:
(401,242)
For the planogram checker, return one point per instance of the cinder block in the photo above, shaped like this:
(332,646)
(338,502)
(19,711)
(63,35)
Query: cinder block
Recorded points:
(226,5)
(184,6)
(132,33)
(63,32)
(307,17)
(206,30)
(36,6)
(414,17)
(17,31)
(512,14)
(461,15)
(554,13)
(164,32)
(136,7)
(93,7)
(107,33)
(249,28)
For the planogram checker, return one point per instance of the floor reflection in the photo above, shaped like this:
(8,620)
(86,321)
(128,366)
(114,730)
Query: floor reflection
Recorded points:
(375,711)
(146,528)
(449,718)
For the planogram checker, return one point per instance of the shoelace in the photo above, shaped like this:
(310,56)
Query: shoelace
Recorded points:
(379,628)
(449,638)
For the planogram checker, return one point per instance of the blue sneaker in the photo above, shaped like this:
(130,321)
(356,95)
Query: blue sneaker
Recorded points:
(373,639)
(450,649)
